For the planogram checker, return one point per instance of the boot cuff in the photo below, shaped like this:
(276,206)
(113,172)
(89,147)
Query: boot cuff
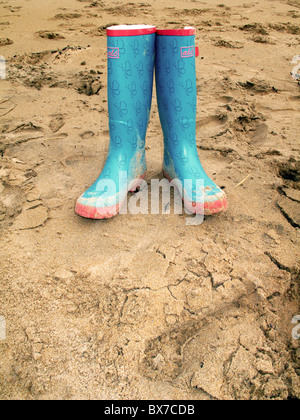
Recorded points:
(130,30)
(187,31)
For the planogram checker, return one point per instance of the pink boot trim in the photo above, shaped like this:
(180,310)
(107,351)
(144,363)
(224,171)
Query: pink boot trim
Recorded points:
(99,213)
(210,207)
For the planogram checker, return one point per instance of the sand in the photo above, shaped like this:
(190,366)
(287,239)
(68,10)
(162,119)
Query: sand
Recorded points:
(144,306)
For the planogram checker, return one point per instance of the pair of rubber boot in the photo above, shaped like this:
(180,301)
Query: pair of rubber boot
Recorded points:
(133,52)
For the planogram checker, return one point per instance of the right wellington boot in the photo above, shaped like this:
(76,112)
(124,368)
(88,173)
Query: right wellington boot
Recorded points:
(177,103)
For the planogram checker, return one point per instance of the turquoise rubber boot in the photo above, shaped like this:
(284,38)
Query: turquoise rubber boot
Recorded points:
(131,56)
(177,103)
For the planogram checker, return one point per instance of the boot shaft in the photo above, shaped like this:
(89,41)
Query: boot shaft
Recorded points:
(176,84)
(130,55)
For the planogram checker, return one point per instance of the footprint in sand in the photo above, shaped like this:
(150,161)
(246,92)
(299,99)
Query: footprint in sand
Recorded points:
(5,41)
(219,119)
(10,202)
(50,35)
(33,215)
(56,123)
(67,16)
(225,99)
(87,135)
(226,44)
(295,98)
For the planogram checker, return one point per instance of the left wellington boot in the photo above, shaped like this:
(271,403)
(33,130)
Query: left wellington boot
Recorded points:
(131,54)
(177,103)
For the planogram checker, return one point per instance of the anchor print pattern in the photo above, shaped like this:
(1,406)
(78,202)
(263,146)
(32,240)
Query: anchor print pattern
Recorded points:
(130,84)
(177,104)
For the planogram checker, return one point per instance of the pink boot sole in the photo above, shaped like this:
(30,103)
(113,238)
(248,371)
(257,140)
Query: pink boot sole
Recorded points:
(99,213)
(210,207)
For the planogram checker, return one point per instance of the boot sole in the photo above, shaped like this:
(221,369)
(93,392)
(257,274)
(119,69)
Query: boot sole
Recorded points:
(100,213)
(210,208)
